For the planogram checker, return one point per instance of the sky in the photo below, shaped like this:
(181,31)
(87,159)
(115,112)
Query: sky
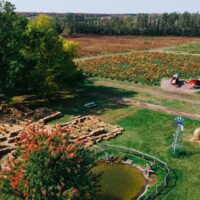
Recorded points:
(107,6)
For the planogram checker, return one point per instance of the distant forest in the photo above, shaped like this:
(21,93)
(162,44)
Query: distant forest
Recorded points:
(185,24)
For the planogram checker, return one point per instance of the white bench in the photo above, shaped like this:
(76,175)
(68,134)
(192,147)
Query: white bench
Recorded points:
(90,105)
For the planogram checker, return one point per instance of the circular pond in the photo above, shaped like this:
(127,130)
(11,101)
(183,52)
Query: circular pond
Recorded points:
(119,181)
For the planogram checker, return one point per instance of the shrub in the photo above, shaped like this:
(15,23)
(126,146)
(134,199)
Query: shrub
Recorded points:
(47,165)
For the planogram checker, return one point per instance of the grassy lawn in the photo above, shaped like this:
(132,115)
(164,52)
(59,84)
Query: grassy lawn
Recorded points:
(189,48)
(104,92)
(72,105)
(154,95)
(151,132)
(146,130)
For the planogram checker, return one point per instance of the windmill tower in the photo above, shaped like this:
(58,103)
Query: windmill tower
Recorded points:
(177,136)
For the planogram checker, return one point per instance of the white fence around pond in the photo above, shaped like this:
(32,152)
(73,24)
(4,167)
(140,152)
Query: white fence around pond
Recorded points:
(151,195)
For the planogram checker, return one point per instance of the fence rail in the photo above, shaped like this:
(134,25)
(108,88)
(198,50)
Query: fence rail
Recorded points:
(147,158)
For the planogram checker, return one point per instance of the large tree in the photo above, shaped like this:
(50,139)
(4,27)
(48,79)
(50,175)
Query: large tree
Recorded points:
(12,38)
(48,55)
(33,55)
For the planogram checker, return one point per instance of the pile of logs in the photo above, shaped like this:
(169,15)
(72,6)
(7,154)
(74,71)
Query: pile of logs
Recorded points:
(90,130)
(18,113)
(8,144)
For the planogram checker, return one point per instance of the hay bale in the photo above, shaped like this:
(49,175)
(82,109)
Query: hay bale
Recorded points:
(196,135)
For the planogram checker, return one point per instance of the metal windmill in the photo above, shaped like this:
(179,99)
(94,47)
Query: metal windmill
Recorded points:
(177,136)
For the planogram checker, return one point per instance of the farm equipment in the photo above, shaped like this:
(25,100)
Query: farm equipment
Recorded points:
(175,79)
(193,83)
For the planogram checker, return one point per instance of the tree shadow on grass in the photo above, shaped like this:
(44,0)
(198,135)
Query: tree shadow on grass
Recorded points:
(72,102)
(173,177)
(190,153)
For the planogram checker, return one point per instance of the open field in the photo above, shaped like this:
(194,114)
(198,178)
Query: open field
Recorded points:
(94,45)
(143,67)
(193,48)
(152,94)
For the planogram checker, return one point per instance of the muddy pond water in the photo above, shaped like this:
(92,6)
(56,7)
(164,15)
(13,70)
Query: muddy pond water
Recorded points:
(120,181)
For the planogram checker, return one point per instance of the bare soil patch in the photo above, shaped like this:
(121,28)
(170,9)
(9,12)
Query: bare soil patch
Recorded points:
(166,85)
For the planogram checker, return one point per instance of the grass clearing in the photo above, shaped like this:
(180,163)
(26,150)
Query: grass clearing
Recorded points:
(151,132)
(108,108)
(146,130)
(193,48)
(155,95)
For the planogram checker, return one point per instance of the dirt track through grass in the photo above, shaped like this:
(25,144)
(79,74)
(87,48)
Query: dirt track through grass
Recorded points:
(155,91)
(188,104)
(159,108)
(168,51)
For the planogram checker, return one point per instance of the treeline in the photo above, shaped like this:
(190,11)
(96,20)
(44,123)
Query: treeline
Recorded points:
(33,56)
(185,24)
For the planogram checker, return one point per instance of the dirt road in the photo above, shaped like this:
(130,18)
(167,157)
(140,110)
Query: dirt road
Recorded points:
(151,90)
(160,108)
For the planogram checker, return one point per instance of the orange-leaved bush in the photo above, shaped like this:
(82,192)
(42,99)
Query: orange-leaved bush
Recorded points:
(49,165)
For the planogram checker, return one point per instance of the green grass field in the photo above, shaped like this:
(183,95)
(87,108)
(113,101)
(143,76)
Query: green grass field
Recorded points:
(145,130)
(102,91)
(151,132)
(189,48)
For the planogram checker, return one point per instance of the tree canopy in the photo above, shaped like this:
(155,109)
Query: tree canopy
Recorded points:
(12,37)
(33,55)
(49,55)
(181,24)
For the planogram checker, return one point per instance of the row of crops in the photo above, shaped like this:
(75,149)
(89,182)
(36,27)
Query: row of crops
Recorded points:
(144,67)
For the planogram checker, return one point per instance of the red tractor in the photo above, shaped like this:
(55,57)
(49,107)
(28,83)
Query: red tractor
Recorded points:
(193,83)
